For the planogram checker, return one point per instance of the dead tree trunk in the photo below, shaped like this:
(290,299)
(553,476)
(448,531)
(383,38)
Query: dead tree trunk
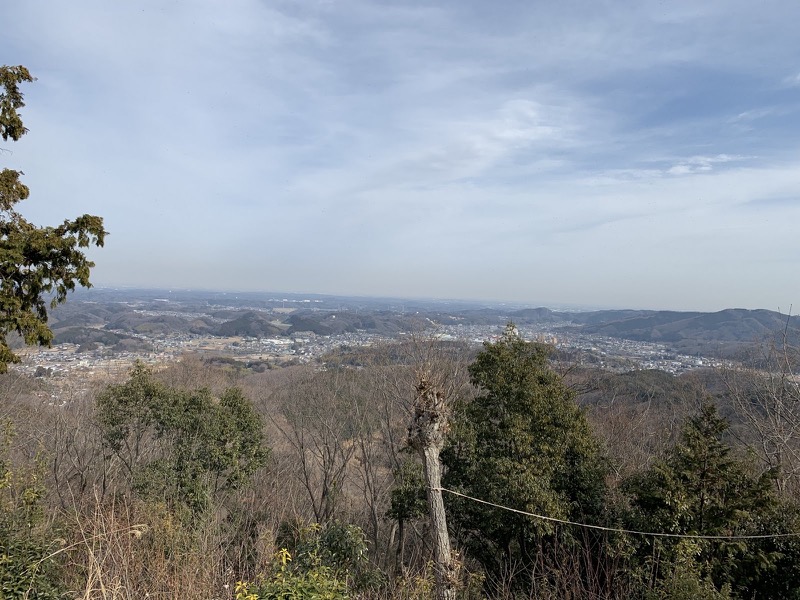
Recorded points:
(426,435)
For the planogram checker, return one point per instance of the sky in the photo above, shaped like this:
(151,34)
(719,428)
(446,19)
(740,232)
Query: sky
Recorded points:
(604,153)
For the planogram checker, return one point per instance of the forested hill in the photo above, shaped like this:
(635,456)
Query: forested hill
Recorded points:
(689,332)
(91,316)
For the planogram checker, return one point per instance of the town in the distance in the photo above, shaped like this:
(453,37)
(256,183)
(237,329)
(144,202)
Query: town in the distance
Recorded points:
(100,333)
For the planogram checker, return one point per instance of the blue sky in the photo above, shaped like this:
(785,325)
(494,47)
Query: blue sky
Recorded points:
(604,153)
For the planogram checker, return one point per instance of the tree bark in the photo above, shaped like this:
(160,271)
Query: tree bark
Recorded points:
(426,435)
(443,558)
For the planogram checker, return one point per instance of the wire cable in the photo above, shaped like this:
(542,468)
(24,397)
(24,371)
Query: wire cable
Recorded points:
(617,530)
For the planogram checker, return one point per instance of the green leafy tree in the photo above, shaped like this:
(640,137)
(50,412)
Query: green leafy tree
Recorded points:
(180,445)
(701,488)
(522,443)
(37,264)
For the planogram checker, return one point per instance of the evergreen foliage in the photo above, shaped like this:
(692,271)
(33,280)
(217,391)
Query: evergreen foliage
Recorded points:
(178,445)
(318,582)
(523,443)
(36,263)
(315,562)
(408,499)
(146,496)
(339,548)
(700,488)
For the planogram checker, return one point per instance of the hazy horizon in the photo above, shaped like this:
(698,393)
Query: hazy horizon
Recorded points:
(577,153)
(265,294)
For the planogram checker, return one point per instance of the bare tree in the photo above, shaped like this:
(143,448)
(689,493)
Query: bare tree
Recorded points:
(79,465)
(638,414)
(381,444)
(376,456)
(766,392)
(437,388)
(320,415)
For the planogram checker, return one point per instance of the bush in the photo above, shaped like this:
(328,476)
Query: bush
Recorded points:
(318,582)
(315,562)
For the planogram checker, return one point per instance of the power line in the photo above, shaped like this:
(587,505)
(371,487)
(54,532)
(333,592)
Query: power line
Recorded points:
(616,530)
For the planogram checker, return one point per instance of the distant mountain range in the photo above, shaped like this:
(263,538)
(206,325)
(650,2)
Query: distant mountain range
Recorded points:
(717,333)
(120,318)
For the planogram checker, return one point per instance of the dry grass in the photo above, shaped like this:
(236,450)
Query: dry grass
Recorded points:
(122,550)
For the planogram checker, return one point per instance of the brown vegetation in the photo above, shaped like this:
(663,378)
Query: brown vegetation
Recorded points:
(338,466)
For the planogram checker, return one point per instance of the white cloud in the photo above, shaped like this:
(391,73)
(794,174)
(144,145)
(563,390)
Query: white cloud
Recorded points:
(792,80)
(350,139)
(755,114)
(467,149)
(700,164)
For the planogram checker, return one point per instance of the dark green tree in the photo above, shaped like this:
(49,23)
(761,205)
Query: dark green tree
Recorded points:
(408,502)
(38,265)
(521,443)
(701,488)
(182,446)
